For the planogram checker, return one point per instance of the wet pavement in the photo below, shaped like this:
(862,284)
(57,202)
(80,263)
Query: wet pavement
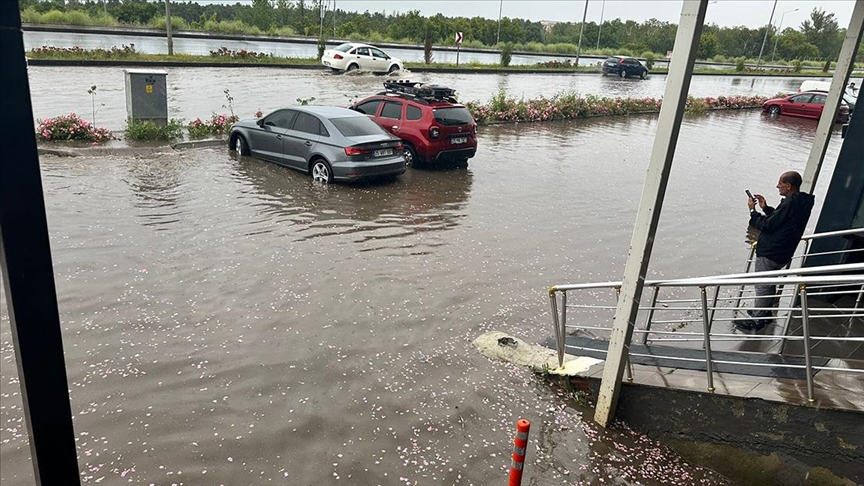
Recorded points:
(199,92)
(228,320)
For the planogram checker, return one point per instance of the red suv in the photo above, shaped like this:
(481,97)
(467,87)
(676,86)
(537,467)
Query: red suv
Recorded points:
(432,125)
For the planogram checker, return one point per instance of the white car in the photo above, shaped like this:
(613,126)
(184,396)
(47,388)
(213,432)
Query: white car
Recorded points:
(352,56)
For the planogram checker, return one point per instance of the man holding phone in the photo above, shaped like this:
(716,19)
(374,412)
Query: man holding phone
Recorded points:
(780,230)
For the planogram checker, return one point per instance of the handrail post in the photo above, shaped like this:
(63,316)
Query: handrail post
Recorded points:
(746,270)
(860,297)
(563,330)
(553,301)
(713,306)
(650,314)
(805,327)
(629,367)
(706,332)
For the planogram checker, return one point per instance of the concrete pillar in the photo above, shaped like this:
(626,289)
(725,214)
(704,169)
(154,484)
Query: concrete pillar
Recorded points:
(657,177)
(845,63)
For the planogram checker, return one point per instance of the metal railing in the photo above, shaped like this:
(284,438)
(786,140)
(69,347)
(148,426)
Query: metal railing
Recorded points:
(679,311)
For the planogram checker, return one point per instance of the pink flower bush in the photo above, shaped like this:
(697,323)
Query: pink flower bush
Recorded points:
(241,54)
(570,105)
(218,124)
(71,127)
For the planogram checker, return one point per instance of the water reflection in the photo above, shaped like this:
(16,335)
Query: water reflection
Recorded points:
(157,186)
(416,202)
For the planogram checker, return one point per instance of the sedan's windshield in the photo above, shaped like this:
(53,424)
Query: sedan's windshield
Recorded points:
(356,126)
(343,47)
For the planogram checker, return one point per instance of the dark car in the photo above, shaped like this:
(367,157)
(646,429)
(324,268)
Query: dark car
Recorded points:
(808,104)
(326,142)
(432,125)
(624,66)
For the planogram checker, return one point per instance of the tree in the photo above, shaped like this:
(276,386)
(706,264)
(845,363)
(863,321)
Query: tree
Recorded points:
(707,46)
(793,45)
(262,14)
(822,31)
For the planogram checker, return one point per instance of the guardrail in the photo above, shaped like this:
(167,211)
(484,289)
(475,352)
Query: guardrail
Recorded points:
(680,311)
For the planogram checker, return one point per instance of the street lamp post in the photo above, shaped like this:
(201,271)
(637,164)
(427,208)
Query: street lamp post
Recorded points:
(581,29)
(779,29)
(600,27)
(764,39)
(500,9)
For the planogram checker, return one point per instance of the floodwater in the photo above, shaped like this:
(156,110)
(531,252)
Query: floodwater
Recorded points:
(227,321)
(199,92)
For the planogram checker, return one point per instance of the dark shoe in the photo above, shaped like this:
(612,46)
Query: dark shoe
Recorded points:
(751,325)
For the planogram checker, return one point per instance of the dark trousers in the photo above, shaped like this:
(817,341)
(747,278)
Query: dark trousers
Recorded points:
(765,293)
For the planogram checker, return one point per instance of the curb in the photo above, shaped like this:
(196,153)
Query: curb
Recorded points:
(412,69)
(193,144)
(97,151)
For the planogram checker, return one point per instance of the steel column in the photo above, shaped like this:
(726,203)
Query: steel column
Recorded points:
(805,331)
(651,204)
(28,274)
(845,63)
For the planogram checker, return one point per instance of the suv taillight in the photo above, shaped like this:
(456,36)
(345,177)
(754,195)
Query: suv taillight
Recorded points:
(434,132)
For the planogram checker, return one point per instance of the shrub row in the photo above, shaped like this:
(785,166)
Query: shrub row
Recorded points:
(571,105)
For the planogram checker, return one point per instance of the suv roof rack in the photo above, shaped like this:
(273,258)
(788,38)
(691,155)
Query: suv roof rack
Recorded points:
(420,91)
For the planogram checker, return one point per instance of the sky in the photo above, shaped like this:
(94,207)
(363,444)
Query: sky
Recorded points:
(752,13)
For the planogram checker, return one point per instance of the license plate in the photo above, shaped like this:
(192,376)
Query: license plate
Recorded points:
(382,152)
(458,140)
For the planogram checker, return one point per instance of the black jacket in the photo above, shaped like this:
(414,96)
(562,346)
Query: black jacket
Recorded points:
(781,229)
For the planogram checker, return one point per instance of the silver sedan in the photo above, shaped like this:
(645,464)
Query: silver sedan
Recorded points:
(330,143)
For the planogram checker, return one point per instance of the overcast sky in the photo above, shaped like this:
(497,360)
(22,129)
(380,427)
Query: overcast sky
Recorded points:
(752,13)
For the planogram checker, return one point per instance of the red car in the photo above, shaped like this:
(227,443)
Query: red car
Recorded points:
(808,104)
(431,124)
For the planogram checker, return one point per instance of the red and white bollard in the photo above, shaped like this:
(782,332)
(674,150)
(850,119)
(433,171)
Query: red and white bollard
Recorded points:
(519,447)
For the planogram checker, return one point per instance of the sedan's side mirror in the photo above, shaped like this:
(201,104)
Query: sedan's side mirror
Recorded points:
(260,122)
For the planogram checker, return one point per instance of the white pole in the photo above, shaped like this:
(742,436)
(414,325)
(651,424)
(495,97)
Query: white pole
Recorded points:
(845,63)
(777,34)
(600,28)
(500,9)
(581,29)
(168,28)
(651,204)
(764,39)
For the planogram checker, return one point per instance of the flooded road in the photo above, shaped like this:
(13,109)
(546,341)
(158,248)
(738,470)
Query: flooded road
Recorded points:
(198,92)
(229,322)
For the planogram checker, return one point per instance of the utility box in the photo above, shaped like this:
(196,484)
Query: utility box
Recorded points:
(147,95)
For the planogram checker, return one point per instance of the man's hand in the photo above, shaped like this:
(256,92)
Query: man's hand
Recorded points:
(751,204)
(762,202)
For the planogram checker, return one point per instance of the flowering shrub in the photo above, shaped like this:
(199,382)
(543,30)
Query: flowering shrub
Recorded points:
(570,105)
(555,64)
(216,125)
(78,52)
(241,54)
(71,127)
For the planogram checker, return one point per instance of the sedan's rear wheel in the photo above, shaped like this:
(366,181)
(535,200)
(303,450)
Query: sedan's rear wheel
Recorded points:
(622,73)
(774,110)
(353,67)
(321,172)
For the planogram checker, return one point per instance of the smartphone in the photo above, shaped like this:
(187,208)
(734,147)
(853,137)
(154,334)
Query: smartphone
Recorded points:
(750,195)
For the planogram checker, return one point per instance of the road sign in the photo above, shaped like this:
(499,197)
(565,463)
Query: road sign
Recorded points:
(458,37)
